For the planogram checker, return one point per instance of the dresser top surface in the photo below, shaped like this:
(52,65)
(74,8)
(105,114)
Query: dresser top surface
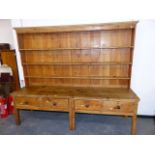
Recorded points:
(78,92)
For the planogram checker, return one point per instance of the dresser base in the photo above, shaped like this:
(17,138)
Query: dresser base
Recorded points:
(119,102)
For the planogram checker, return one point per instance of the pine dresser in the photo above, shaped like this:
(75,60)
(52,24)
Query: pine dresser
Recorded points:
(78,69)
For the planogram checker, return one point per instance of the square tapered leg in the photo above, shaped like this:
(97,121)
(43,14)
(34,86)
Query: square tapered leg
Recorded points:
(17,116)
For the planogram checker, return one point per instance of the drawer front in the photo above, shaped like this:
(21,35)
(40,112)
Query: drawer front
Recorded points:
(119,106)
(88,105)
(42,102)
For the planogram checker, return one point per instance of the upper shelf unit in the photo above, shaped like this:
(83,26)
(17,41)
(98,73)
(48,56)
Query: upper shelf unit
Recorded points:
(97,55)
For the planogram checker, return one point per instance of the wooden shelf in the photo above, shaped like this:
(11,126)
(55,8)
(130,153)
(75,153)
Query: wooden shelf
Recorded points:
(80,77)
(85,48)
(76,63)
(76,85)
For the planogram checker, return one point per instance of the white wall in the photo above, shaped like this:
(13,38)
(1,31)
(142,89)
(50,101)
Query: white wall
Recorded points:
(6,34)
(143,72)
(72,21)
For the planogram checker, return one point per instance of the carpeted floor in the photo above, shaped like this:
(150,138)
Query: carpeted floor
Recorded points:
(56,123)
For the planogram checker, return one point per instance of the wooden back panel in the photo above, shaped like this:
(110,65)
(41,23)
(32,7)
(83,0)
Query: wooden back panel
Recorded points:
(77,56)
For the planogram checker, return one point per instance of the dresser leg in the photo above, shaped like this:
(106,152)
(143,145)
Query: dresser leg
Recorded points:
(17,116)
(134,123)
(72,121)
(71,115)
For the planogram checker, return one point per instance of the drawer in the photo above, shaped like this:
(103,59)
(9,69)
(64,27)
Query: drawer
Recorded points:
(88,105)
(42,102)
(119,106)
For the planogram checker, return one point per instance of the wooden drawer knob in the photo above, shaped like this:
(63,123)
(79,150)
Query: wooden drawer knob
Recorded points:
(117,107)
(26,102)
(54,104)
(87,105)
